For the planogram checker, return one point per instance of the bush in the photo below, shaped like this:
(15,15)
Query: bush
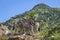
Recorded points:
(4,37)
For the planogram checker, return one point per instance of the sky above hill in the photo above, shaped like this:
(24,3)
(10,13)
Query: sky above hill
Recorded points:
(10,8)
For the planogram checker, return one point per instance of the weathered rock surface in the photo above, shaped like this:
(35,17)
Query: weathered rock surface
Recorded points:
(24,37)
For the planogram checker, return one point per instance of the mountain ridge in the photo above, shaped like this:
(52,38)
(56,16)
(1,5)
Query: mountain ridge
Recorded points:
(44,8)
(48,18)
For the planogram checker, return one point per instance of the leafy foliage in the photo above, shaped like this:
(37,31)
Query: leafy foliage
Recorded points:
(47,16)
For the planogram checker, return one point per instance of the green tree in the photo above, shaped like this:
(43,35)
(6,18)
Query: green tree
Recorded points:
(32,14)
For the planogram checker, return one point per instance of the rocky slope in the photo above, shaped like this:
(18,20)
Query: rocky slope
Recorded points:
(47,16)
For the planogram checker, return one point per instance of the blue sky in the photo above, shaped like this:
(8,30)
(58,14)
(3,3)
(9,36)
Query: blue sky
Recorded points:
(10,8)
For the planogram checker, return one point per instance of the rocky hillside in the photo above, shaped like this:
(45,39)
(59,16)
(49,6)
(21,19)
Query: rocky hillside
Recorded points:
(47,16)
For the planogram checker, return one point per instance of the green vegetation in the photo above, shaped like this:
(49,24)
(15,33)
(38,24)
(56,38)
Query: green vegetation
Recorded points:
(4,37)
(48,17)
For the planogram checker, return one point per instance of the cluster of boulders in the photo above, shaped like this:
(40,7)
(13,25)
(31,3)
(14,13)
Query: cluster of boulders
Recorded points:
(21,37)
(24,24)
(27,25)
(17,36)
(14,36)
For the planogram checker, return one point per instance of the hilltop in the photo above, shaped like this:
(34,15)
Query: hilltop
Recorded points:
(48,18)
